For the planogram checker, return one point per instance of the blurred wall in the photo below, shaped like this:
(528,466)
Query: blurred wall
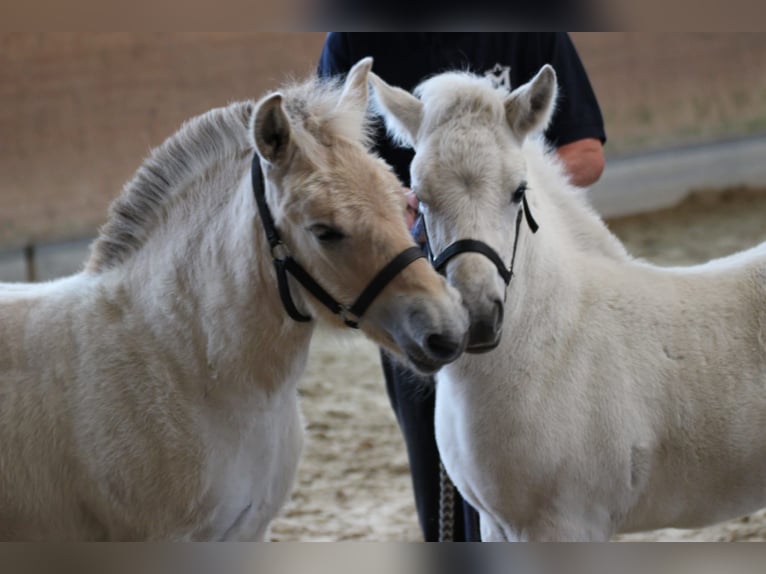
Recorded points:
(79,111)
(667,89)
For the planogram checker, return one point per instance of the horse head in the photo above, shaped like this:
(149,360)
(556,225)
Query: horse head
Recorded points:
(469,175)
(340,212)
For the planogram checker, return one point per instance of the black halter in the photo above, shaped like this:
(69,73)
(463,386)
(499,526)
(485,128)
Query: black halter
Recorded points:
(476,246)
(284,264)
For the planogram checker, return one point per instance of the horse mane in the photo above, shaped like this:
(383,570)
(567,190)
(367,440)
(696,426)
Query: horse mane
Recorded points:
(572,209)
(463,94)
(202,142)
(196,146)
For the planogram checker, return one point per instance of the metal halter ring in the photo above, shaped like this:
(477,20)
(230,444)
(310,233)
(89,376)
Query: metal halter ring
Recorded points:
(279,251)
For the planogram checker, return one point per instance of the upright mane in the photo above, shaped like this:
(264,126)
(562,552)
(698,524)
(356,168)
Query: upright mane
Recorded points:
(199,143)
(205,141)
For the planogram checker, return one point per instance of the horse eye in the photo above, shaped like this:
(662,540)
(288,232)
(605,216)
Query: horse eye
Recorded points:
(519,193)
(326,233)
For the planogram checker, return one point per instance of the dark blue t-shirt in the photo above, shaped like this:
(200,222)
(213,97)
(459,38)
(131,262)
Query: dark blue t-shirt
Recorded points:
(512,59)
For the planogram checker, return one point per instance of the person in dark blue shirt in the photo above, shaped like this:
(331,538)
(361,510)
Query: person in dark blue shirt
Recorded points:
(576,131)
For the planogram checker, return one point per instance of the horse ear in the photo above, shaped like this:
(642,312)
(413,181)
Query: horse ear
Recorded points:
(355,92)
(402,112)
(529,107)
(271,129)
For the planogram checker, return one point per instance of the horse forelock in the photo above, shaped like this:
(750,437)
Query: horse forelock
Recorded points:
(463,95)
(316,116)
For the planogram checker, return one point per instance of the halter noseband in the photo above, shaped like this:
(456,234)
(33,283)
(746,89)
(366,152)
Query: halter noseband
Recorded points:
(284,264)
(476,246)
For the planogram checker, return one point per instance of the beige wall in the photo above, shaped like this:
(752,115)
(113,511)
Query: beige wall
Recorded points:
(78,112)
(659,89)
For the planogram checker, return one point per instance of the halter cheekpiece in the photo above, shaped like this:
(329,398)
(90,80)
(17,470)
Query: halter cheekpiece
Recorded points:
(476,246)
(284,264)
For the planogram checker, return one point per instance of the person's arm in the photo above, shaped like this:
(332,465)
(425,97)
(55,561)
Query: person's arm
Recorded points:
(577,129)
(583,160)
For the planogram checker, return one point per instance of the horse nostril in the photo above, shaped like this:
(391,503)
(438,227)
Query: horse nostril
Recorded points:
(443,347)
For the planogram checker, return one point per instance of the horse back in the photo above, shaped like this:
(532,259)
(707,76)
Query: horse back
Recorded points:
(37,319)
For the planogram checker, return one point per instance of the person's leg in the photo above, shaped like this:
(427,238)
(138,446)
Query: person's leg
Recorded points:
(471,528)
(412,399)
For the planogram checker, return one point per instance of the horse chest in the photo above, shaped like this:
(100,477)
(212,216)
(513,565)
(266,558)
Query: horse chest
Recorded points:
(455,423)
(503,451)
(252,478)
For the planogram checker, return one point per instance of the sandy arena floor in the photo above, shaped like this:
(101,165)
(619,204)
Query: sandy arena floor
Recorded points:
(353,481)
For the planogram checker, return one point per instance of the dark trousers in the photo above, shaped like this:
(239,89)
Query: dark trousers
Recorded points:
(412,398)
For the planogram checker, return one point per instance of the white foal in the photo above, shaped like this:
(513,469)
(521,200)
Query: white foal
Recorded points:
(621,396)
(154,395)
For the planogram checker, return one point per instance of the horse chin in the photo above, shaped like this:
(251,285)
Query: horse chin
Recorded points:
(423,365)
(478,348)
(412,357)
(482,348)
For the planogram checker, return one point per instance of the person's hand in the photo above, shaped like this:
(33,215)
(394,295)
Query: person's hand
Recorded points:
(413,217)
(412,207)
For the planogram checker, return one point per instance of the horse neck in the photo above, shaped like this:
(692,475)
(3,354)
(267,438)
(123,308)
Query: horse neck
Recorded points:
(543,278)
(206,285)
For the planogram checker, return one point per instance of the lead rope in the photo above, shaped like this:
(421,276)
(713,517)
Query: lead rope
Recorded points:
(446,506)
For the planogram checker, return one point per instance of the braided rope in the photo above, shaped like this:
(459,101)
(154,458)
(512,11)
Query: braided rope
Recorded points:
(446,506)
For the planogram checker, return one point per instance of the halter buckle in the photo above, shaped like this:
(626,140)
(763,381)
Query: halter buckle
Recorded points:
(279,251)
(350,318)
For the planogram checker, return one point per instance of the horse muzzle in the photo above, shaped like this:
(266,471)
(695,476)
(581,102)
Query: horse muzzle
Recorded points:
(435,351)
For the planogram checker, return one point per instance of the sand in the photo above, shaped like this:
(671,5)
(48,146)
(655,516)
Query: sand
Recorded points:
(353,481)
